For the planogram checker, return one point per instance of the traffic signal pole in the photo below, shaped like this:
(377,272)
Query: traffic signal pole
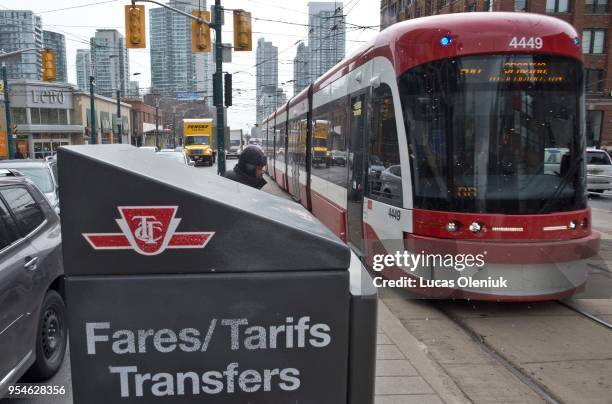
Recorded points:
(93,133)
(7,108)
(119,123)
(218,89)
(7,104)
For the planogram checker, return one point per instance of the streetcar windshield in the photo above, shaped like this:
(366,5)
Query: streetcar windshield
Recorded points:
(496,134)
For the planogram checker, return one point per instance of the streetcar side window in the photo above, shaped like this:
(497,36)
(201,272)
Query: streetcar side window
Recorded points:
(384,172)
(280,141)
(329,157)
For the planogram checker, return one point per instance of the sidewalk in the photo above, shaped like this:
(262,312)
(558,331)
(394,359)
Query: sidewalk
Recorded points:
(405,374)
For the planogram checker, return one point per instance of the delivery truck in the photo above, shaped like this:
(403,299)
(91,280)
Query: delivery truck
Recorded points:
(199,141)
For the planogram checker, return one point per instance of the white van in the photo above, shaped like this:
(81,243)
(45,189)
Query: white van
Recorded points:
(599,170)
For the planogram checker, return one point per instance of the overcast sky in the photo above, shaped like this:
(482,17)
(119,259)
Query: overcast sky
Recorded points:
(78,24)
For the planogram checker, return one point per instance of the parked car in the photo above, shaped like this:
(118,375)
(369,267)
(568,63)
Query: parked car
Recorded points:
(33,323)
(42,172)
(376,166)
(391,183)
(599,170)
(151,148)
(338,158)
(177,156)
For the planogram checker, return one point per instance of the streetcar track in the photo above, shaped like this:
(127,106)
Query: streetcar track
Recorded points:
(599,267)
(519,373)
(586,314)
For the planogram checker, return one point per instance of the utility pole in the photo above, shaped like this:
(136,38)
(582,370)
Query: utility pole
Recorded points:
(93,134)
(119,123)
(157,124)
(174,128)
(218,88)
(7,107)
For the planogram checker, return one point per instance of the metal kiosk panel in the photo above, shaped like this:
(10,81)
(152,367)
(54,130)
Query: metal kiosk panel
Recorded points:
(186,287)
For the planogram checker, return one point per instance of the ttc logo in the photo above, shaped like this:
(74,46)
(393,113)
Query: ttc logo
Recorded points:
(148,230)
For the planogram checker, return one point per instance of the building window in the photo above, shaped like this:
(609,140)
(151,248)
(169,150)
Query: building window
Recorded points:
(442,3)
(594,81)
(593,127)
(19,116)
(596,6)
(49,116)
(593,41)
(557,6)
(471,7)
(520,5)
(418,12)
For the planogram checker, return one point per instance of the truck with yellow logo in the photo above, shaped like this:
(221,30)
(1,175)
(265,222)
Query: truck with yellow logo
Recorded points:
(198,141)
(320,146)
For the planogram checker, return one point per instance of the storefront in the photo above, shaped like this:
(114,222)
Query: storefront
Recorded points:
(44,117)
(109,128)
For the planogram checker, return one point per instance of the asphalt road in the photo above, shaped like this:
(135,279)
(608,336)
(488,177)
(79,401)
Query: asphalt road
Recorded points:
(601,201)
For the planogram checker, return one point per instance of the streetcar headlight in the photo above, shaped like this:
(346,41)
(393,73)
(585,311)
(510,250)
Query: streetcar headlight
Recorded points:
(475,227)
(572,225)
(584,223)
(452,226)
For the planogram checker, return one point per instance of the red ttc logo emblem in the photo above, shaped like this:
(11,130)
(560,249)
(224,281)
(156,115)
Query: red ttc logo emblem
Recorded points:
(148,230)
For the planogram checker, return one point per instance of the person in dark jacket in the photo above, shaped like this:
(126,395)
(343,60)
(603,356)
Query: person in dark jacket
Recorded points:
(249,170)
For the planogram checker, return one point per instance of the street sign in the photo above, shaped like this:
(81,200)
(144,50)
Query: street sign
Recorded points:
(189,96)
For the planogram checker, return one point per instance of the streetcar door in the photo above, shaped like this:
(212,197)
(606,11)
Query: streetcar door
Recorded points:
(294,131)
(356,163)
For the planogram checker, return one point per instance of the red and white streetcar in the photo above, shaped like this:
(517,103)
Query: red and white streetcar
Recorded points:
(453,134)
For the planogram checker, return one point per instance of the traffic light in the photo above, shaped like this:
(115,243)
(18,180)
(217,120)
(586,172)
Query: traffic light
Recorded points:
(135,27)
(228,90)
(200,33)
(48,64)
(242,31)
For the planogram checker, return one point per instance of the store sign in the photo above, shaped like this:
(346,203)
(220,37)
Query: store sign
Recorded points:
(3,144)
(52,97)
(31,96)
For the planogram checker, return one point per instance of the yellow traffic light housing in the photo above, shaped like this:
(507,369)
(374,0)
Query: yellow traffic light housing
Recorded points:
(243,35)
(200,33)
(49,66)
(135,27)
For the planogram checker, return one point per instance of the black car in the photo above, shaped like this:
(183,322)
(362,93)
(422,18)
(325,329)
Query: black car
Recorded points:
(33,325)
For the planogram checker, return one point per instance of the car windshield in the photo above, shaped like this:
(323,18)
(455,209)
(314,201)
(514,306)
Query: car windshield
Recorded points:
(190,140)
(40,176)
(178,156)
(598,158)
(485,132)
